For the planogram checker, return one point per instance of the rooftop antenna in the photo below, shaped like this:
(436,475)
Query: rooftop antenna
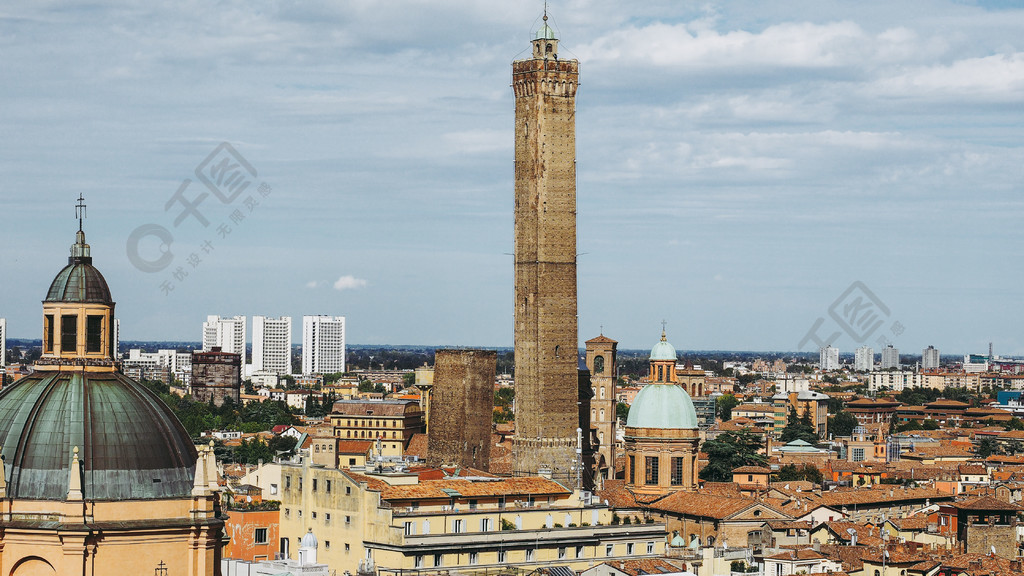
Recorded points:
(80,211)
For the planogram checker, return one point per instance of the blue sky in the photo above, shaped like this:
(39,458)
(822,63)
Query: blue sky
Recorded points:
(740,165)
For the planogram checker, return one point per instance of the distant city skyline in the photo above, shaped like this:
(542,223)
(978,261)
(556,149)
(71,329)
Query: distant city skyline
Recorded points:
(741,166)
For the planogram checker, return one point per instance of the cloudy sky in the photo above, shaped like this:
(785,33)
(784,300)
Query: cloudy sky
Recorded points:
(745,168)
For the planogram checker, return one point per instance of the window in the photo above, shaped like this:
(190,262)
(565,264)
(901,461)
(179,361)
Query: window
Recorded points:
(351,461)
(472,504)
(676,477)
(529,555)
(410,528)
(418,562)
(300,513)
(314,484)
(650,547)
(651,470)
(426,526)
(602,392)
(438,560)
(327,519)
(348,490)
(599,365)
(328,486)
(561,553)
(300,483)
(348,519)
(346,548)
(632,469)
(260,536)
(486,525)
(94,333)
(458,525)
(68,333)
(327,544)
(501,556)
(579,551)
(48,333)
(273,489)
(314,515)
(858,454)
(629,548)
(287,512)
(474,558)
(608,549)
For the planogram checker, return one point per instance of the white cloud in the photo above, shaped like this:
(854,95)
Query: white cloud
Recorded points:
(312,284)
(349,282)
(996,77)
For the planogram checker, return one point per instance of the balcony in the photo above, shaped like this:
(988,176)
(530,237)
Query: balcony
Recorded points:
(576,536)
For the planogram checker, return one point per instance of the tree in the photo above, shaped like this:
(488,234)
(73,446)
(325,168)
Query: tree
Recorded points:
(987,447)
(790,473)
(842,424)
(729,451)
(799,429)
(622,411)
(409,379)
(725,404)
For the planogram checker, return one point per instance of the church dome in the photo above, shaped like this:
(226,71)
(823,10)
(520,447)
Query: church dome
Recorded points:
(131,446)
(662,406)
(79,282)
(308,540)
(546,33)
(663,350)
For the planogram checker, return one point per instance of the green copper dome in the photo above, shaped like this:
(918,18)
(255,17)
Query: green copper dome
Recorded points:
(546,33)
(79,281)
(663,350)
(662,406)
(131,446)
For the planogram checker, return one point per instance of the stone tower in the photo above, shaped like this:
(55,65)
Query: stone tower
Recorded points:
(546,339)
(601,360)
(463,401)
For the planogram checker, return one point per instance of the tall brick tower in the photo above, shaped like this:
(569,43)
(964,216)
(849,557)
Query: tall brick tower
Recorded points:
(546,339)
(601,362)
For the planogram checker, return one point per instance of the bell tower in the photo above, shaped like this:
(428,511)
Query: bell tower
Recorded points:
(546,340)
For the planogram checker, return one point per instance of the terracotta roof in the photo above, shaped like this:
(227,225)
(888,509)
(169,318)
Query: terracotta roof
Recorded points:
(837,498)
(751,470)
(621,498)
(417,446)
(707,505)
(720,488)
(447,488)
(374,484)
(354,446)
(642,566)
(370,407)
(848,556)
(916,523)
(985,503)
(804,554)
(602,339)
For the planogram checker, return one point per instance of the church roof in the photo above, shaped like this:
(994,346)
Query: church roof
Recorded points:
(662,406)
(79,282)
(663,350)
(131,445)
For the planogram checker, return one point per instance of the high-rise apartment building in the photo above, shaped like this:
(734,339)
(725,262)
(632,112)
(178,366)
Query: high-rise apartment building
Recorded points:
(272,344)
(546,339)
(864,359)
(323,344)
(828,358)
(3,342)
(226,333)
(890,357)
(929,358)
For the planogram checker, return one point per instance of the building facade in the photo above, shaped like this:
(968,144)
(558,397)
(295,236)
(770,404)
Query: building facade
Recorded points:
(463,399)
(601,362)
(272,344)
(216,375)
(828,358)
(890,357)
(546,337)
(228,334)
(391,423)
(930,358)
(403,524)
(3,343)
(864,359)
(323,344)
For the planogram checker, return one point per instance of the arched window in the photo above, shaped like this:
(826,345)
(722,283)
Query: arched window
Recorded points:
(711,540)
(598,364)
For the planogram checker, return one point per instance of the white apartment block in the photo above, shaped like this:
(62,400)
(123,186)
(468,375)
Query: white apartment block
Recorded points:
(890,357)
(140,364)
(228,333)
(272,344)
(3,342)
(895,381)
(929,358)
(864,359)
(323,344)
(828,358)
